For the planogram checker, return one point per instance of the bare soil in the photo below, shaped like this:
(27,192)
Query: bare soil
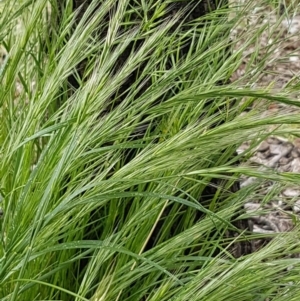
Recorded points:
(277,49)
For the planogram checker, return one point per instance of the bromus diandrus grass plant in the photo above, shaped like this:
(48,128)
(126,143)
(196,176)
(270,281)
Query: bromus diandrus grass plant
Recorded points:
(93,210)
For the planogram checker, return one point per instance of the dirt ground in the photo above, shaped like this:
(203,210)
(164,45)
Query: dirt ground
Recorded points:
(277,49)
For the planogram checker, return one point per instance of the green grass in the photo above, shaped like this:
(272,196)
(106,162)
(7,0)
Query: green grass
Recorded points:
(79,213)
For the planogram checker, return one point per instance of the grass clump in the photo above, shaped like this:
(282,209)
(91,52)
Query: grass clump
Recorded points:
(102,195)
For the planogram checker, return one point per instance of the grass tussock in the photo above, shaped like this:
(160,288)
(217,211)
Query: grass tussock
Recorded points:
(102,187)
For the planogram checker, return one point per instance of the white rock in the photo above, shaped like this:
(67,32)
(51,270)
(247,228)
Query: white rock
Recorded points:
(296,207)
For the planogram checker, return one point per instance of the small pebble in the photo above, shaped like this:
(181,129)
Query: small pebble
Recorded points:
(264,155)
(296,207)
(295,153)
(297,143)
(297,150)
(263,146)
(285,160)
(273,140)
(291,192)
(295,165)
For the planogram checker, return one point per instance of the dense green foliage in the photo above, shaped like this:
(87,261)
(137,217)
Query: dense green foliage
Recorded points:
(93,211)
